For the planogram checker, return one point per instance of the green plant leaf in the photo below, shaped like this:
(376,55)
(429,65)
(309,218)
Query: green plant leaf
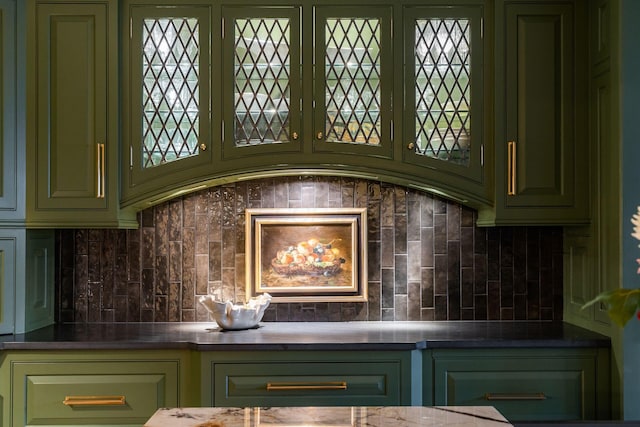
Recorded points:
(622,304)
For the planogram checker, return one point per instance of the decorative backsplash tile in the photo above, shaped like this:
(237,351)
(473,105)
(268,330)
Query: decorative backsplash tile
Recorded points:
(427,260)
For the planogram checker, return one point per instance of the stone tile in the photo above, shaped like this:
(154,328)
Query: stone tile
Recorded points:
(175,261)
(413,301)
(453,222)
(400,308)
(400,274)
(400,234)
(427,288)
(387,247)
(188,289)
(215,261)
(388,288)
(162,275)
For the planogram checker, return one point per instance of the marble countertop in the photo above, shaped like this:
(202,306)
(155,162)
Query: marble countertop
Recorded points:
(307,336)
(399,416)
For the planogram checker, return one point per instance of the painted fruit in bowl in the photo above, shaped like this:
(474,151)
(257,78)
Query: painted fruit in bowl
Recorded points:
(310,257)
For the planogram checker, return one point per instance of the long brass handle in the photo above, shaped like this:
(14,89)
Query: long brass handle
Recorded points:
(515,396)
(101,171)
(511,168)
(329,385)
(94,401)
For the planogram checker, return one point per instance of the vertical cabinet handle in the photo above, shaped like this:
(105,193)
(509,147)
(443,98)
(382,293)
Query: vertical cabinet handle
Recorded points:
(101,171)
(511,168)
(94,401)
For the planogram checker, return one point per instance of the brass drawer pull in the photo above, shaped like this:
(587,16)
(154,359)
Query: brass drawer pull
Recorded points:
(515,396)
(330,385)
(100,161)
(511,168)
(94,401)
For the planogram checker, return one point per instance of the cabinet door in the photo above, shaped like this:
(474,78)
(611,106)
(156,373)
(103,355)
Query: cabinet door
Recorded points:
(26,279)
(353,80)
(11,153)
(8,251)
(541,174)
(74,156)
(261,56)
(167,100)
(443,126)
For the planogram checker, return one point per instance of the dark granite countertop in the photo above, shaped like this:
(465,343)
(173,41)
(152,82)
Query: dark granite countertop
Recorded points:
(307,336)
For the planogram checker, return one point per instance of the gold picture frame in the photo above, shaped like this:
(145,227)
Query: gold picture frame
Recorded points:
(307,255)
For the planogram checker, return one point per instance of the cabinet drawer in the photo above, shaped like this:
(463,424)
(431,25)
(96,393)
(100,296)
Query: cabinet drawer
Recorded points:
(306,384)
(99,393)
(521,387)
(520,395)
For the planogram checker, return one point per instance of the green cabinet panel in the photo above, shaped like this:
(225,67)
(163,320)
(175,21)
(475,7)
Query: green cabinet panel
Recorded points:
(523,384)
(541,99)
(122,388)
(72,175)
(8,252)
(26,279)
(313,378)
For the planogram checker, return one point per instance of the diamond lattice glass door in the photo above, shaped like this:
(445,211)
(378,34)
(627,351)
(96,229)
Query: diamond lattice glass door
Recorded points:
(443,123)
(167,122)
(261,53)
(353,51)
(170,72)
(443,92)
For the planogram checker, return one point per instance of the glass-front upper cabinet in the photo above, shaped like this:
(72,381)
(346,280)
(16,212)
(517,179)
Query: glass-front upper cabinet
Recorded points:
(443,116)
(167,113)
(353,80)
(262,75)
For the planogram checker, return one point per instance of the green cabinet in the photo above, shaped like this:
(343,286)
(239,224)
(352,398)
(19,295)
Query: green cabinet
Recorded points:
(308,378)
(72,125)
(523,384)
(222,90)
(541,106)
(113,388)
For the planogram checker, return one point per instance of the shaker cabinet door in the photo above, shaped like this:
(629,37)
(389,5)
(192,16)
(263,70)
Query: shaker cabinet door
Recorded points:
(541,98)
(72,162)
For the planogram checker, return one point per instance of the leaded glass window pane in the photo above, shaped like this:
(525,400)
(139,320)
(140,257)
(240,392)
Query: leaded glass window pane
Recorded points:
(170,73)
(352,75)
(443,90)
(262,90)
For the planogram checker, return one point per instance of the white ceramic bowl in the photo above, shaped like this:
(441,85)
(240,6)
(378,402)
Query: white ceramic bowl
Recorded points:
(231,316)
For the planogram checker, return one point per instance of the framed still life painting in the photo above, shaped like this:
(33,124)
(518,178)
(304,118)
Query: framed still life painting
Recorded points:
(307,255)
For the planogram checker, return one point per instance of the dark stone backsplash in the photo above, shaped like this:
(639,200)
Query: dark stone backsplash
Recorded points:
(427,260)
